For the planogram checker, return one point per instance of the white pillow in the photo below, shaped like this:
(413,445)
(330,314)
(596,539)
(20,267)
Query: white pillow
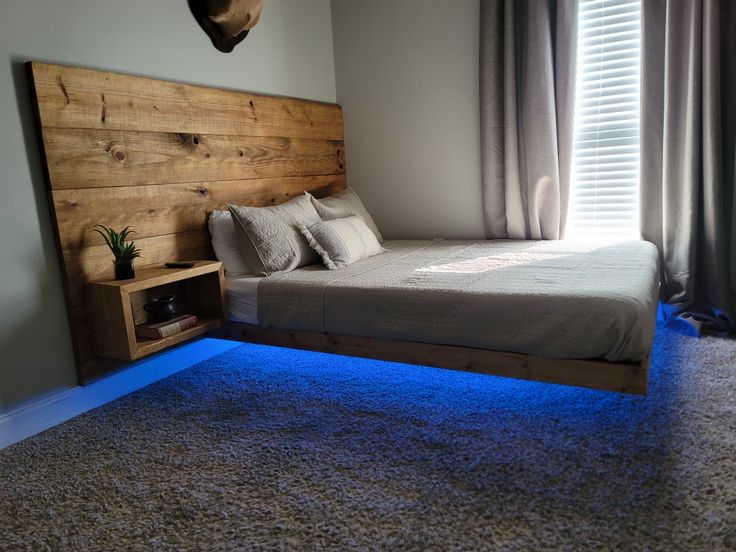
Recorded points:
(343,205)
(226,245)
(341,242)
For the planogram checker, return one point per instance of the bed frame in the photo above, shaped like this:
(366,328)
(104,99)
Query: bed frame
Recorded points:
(123,150)
(625,377)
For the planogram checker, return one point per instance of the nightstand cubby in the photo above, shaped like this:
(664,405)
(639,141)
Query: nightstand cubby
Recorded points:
(115,307)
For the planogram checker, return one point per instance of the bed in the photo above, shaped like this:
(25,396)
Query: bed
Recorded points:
(530,302)
(162,156)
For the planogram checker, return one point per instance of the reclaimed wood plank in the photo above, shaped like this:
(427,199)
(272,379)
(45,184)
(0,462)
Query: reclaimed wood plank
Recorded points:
(79,158)
(171,208)
(74,97)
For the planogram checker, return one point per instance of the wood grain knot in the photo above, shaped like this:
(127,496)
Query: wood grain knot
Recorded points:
(119,155)
(202,190)
(62,86)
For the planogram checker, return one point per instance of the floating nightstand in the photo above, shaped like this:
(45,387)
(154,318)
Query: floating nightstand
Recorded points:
(116,307)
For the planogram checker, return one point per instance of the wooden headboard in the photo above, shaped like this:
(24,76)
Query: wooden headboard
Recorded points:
(157,155)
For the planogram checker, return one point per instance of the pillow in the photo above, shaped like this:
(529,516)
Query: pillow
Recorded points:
(268,236)
(226,245)
(341,242)
(342,205)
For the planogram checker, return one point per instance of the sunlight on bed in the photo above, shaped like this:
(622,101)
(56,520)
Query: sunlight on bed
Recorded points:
(493,262)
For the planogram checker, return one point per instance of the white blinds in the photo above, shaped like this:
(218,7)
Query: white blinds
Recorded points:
(604,199)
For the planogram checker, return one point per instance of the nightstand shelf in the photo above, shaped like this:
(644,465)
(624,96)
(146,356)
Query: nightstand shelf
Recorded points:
(116,307)
(146,347)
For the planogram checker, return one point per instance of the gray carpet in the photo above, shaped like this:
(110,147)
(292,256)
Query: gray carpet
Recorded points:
(263,448)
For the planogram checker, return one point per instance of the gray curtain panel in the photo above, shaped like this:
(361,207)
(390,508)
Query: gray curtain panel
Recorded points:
(687,153)
(527,93)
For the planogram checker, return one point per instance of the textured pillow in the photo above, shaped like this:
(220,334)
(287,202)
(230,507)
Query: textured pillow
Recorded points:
(342,205)
(269,238)
(341,242)
(226,245)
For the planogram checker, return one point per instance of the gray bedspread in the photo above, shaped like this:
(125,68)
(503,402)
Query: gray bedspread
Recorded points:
(547,298)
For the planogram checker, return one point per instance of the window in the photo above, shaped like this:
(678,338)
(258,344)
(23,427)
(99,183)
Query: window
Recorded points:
(604,197)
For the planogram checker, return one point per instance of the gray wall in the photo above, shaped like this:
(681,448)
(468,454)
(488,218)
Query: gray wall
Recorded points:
(407,78)
(289,52)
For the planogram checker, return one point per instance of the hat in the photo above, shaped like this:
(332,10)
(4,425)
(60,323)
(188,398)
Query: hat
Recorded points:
(226,22)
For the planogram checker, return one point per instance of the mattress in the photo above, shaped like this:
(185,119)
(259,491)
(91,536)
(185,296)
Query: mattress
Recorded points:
(242,298)
(554,299)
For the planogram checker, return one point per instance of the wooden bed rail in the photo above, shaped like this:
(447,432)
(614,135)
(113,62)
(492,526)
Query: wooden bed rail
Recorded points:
(622,377)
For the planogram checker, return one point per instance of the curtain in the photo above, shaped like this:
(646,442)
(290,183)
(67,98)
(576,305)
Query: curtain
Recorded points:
(688,121)
(527,93)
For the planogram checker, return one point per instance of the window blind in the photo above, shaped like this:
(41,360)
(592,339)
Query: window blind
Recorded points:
(604,198)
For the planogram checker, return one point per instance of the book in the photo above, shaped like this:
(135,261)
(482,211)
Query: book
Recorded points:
(165,329)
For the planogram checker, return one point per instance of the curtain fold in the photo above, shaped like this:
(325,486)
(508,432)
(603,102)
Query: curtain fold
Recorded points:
(687,152)
(527,93)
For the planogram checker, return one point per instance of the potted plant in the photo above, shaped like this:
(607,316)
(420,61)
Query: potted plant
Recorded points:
(125,251)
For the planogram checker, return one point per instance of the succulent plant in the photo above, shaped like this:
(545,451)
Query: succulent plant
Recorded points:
(123,250)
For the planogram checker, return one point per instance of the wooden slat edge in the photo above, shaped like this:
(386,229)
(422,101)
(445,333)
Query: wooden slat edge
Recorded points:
(594,374)
(81,347)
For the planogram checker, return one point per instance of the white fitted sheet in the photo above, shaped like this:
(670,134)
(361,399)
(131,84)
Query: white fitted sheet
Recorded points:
(242,298)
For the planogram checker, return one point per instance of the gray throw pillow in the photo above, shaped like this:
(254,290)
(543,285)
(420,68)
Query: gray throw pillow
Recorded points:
(342,205)
(269,238)
(342,242)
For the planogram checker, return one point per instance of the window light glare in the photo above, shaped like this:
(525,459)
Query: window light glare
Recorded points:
(604,195)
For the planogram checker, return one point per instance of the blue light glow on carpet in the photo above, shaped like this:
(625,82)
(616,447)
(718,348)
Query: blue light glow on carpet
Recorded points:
(262,447)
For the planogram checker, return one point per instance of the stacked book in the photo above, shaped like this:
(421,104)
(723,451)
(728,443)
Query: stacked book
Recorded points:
(165,329)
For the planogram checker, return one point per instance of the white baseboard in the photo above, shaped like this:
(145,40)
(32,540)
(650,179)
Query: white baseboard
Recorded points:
(33,418)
